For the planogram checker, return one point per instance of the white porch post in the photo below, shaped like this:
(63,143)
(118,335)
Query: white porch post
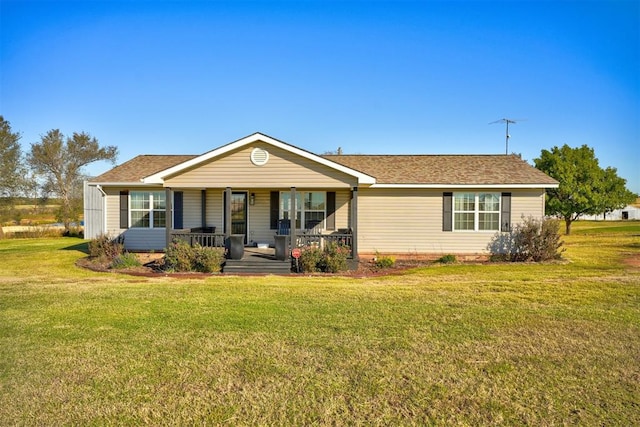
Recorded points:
(168,215)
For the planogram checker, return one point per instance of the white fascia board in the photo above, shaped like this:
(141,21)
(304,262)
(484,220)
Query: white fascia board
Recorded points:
(121,184)
(515,186)
(158,178)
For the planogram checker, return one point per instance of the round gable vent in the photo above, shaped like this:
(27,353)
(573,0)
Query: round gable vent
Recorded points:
(259,156)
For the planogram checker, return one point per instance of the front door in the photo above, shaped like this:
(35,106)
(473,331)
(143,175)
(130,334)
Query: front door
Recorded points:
(238,213)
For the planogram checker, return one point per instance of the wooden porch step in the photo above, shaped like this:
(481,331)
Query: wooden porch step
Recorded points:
(246,266)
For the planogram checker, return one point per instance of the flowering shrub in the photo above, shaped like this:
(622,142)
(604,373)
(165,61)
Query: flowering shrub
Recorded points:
(180,256)
(331,259)
(310,259)
(334,258)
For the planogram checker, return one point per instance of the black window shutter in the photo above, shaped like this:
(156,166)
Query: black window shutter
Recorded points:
(505,213)
(275,209)
(331,210)
(447,211)
(178,197)
(124,209)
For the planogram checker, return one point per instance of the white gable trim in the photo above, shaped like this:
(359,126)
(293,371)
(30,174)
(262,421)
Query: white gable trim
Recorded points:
(158,178)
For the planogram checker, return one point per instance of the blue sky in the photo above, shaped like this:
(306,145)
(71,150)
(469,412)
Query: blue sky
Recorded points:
(372,77)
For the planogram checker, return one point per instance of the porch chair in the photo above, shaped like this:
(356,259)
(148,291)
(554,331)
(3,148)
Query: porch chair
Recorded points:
(284,227)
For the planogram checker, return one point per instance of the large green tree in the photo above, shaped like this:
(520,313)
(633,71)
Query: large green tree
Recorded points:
(585,188)
(60,160)
(11,168)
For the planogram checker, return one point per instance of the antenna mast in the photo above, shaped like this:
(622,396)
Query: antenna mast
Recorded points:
(507,136)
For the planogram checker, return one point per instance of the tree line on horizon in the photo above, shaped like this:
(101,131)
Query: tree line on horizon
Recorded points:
(53,167)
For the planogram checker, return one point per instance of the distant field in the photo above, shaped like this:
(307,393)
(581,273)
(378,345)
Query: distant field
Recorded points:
(604,227)
(462,344)
(30,207)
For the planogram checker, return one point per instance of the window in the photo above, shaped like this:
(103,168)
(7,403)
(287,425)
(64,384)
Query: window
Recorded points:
(476,211)
(311,213)
(148,209)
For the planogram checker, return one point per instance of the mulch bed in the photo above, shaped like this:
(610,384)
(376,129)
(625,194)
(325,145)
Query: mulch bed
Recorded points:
(152,266)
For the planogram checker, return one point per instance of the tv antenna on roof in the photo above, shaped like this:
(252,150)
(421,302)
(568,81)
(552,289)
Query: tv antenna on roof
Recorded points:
(507,121)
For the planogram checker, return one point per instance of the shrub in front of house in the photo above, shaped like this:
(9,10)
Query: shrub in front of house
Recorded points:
(447,259)
(334,258)
(125,260)
(208,260)
(310,259)
(181,257)
(383,261)
(331,259)
(106,248)
(533,240)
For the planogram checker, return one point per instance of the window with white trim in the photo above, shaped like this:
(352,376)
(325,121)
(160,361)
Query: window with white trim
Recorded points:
(311,213)
(148,209)
(476,211)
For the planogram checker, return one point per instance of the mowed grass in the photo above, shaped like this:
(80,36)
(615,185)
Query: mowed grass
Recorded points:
(492,344)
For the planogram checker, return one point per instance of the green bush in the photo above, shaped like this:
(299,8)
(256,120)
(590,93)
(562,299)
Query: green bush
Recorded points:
(207,260)
(310,259)
(180,256)
(106,248)
(383,261)
(533,240)
(331,259)
(334,258)
(125,260)
(447,259)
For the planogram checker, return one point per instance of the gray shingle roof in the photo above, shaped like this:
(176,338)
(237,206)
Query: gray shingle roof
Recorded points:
(445,169)
(141,166)
(387,169)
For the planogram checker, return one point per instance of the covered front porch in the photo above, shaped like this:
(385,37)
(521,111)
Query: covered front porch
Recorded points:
(280,219)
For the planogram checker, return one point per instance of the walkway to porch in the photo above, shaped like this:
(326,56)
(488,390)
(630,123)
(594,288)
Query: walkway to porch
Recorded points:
(257,260)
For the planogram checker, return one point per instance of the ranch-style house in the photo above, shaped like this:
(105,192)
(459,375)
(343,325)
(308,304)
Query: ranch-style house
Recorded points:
(260,191)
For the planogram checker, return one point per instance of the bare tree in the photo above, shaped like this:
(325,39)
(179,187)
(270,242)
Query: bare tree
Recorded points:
(60,160)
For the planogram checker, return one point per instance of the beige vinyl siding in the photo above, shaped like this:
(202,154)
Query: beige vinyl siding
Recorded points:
(191,208)
(409,221)
(343,209)
(526,203)
(113,210)
(136,239)
(283,169)
(215,214)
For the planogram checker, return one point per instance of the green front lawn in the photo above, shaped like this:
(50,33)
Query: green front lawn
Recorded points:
(457,344)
